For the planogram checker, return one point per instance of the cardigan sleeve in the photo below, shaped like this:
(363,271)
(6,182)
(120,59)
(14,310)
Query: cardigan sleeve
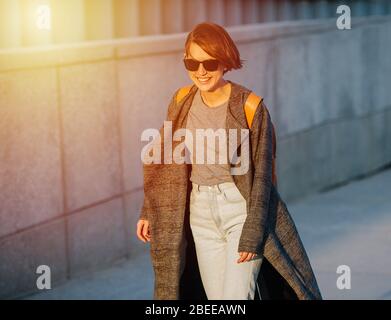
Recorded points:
(148,174)
(253,232)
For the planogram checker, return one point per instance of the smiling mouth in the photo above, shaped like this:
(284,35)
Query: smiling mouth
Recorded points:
(203,80)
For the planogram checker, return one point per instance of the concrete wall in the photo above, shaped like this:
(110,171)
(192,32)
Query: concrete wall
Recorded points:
(71,118)
(83,20)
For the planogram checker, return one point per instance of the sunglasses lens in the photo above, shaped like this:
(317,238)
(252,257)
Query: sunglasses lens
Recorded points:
(191,65)
(209,65)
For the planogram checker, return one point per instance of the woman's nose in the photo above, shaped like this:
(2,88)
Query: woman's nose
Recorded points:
(201,70)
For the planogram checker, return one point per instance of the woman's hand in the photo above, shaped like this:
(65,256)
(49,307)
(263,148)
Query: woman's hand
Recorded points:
(246,256)
(143,232)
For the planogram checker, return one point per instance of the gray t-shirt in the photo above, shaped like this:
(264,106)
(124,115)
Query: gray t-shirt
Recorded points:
(209,160)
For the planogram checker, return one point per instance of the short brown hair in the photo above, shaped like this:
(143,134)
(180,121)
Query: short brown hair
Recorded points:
(216,42)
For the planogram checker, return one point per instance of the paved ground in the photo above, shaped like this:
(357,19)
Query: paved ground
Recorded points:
(349,225)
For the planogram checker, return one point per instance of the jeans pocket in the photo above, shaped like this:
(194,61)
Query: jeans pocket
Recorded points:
(232,195)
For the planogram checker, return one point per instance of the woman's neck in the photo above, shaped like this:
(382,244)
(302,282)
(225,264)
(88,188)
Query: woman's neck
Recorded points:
(217,96)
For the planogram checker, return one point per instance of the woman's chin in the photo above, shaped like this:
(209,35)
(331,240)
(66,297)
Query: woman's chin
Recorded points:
(205,86)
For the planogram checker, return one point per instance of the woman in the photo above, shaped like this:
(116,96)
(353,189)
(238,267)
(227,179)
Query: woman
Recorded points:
(220,230)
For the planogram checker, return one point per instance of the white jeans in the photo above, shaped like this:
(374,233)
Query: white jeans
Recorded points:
(217,215)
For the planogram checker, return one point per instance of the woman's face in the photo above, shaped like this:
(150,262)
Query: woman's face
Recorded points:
(203,79)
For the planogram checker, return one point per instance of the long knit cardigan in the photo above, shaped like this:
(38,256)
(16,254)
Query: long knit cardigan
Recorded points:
(268,230)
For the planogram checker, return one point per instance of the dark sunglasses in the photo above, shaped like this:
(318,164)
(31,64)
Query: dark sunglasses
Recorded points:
(209,65)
